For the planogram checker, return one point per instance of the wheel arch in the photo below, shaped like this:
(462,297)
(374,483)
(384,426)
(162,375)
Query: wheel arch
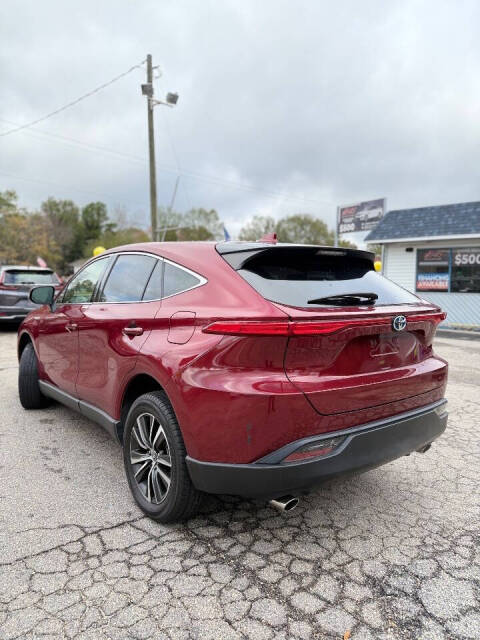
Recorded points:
(140,384)
(24,339)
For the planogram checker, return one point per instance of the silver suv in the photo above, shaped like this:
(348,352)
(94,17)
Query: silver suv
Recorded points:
(15,284)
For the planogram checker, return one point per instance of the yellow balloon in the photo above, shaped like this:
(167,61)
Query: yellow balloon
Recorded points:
(378,265)
(98,250)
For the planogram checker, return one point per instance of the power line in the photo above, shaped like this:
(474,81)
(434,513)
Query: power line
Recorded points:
(177,162)
(86,146)
(62,186)
(164,167)
(251,188)
(74,102)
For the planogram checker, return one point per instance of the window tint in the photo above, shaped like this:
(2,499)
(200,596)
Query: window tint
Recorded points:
(154,286)
(128,278)
(294,276)
(30,277)
(81,288)
(177,280)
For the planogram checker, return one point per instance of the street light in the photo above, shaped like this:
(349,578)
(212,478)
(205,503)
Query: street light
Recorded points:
(172,98)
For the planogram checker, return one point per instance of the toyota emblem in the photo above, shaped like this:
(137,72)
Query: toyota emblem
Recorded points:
(399,323)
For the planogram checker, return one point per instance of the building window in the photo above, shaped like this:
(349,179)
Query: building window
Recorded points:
(466,270)
(433,269)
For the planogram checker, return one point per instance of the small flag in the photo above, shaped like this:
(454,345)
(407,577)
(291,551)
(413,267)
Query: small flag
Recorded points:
(41,262)
(226,234)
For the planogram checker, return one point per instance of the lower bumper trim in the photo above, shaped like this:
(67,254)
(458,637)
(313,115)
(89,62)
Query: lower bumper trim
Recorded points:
(16,316)
(363,449)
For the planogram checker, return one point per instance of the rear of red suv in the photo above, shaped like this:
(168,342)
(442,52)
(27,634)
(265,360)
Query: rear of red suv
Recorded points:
(340,377)
(252,369)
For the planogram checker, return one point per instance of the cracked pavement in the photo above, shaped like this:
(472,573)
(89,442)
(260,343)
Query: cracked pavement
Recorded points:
(393,553)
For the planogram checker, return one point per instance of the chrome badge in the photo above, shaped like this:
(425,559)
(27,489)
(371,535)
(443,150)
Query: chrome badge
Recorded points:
(399,323)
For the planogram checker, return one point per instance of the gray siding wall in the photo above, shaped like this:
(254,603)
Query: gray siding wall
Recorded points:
(400,266)
(461,308)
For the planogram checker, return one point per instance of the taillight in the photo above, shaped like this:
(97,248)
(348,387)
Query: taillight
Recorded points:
(436,318)
(309,327)
(249,328)
(317,449)
(6,287)
(331,326)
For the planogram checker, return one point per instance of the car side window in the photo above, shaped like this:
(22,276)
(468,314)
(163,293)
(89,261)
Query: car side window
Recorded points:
(154,286)
(128,278)
(81,289)
(176,280)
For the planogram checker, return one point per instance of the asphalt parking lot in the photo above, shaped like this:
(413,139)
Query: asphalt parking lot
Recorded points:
(394,553)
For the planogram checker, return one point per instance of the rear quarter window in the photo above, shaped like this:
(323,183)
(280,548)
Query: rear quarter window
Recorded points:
(176,280)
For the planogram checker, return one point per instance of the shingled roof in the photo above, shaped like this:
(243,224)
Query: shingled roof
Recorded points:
(461,219)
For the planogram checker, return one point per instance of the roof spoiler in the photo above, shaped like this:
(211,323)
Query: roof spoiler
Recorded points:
(239,253)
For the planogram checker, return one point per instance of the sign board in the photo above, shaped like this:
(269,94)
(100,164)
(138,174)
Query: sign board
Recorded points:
(465,270)
(466,257)
(433,269)
(363,216)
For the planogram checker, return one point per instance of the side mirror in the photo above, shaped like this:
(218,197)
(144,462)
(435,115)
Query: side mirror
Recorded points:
(43,295)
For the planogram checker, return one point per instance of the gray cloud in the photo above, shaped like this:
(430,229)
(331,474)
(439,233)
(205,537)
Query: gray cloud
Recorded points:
(325,102)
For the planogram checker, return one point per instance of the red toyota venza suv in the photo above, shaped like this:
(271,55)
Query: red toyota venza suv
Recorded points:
(245,368)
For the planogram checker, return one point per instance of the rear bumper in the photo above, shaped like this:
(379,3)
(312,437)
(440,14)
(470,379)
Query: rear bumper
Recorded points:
(365,447)
(9,314)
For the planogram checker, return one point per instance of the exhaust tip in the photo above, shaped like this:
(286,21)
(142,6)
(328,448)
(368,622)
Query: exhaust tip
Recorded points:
(425,448)
(285,503)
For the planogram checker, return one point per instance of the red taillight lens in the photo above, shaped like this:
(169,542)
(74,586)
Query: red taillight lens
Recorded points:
(331,326)
(249,328)
(309,327)
(436,318)
(315,450)
(285,328)
(6,287)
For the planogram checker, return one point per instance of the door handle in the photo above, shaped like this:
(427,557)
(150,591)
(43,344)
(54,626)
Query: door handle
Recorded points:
(71,327)
(132,331)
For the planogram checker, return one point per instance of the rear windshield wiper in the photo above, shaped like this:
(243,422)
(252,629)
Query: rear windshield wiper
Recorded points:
(346,299)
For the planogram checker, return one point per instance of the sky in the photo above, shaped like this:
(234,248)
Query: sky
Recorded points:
(285,106)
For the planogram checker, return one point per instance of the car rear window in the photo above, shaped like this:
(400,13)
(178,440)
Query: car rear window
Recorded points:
(297,275)
(30,277)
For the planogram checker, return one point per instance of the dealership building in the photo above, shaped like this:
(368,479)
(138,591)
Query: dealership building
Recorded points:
(435,252)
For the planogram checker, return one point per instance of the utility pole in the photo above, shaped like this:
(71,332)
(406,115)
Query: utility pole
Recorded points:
(170,101)
(335,242)
(151,151)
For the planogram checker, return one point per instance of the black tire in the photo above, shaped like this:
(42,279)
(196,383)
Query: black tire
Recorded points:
(28,388)
(156,463)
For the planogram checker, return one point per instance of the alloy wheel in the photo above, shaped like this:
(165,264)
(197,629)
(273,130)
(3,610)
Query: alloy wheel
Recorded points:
(150,458)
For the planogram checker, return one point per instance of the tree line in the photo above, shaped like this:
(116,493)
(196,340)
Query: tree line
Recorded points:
(61,232)
(302,228)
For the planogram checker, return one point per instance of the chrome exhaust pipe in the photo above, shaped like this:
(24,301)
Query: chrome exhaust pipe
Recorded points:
(425,448)
(285,503)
